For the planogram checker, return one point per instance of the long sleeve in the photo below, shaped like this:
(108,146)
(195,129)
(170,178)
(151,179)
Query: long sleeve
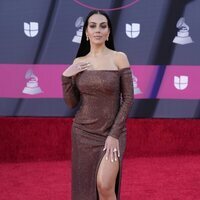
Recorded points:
(126,85)
(70,91)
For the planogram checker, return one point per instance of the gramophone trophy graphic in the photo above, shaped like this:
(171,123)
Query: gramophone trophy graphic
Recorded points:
(183,33)
(135,86)
(32,87)
(79,24)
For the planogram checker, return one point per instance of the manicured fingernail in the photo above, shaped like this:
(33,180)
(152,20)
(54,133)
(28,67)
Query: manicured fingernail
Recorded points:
(106,158)
(112,160)
(115,159)
(104,148)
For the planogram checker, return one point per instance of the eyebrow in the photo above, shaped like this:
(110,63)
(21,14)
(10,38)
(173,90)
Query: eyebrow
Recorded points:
(96,23)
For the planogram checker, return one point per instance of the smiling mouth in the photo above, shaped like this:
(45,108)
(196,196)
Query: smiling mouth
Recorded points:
(97,37)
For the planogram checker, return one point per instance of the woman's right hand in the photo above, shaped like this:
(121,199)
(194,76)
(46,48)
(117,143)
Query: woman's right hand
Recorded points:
(75,68)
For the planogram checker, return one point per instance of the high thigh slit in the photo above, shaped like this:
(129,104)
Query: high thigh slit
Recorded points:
(85,167)
(97,170)
(117,191)
(105,98)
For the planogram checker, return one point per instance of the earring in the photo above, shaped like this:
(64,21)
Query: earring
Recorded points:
(107,38)
(87,38)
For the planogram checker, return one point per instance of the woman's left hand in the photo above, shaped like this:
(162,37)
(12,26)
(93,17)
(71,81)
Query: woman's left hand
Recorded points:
(112,148)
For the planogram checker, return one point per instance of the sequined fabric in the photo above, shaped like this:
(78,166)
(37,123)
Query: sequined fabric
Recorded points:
(106,97)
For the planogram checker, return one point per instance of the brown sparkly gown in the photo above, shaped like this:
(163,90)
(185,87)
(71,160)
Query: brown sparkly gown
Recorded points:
(106,97)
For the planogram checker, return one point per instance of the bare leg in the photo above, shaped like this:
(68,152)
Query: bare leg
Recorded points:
(106,179)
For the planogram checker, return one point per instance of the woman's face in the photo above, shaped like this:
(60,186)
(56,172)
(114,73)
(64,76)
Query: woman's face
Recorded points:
(97,29)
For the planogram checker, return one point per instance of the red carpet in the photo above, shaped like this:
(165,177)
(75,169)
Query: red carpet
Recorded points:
(39,139)
(156,178)
(162,160)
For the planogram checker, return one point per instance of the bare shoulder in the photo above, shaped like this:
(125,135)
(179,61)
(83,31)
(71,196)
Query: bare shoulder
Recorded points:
(121,60)
(78,60)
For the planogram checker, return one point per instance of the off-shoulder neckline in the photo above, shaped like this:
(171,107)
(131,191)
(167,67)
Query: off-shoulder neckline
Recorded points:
(103,70)
(109,70)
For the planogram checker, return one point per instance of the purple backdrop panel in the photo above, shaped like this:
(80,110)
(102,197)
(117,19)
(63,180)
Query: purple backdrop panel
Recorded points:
(143,80)
(31,81)
(180,82)
(44,81)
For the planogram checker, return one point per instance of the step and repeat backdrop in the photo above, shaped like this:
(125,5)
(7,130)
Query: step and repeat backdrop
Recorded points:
(39,40)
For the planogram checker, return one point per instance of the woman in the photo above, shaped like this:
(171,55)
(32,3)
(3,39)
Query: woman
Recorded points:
(100,79)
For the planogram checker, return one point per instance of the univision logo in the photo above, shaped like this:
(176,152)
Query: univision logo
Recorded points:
(133,30)
(181,82)
(106,4)
(31,29)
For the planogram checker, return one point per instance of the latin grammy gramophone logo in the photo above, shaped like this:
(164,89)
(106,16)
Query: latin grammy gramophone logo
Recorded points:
(79,25)
(183,33)
(106,4)
(135,85)
(32,86)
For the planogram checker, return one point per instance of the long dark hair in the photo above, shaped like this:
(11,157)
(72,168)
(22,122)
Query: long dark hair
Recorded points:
(84,47)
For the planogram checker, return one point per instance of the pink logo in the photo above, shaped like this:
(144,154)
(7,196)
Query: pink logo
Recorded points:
(128,3)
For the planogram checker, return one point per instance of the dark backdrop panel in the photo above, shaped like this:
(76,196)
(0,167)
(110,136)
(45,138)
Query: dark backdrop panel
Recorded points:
(56,19)
(53,45)
(142,108)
